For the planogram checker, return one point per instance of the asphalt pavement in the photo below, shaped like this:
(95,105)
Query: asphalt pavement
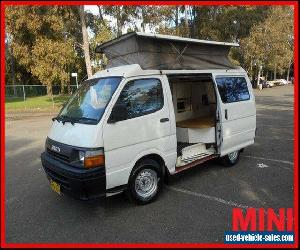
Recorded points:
(195,207)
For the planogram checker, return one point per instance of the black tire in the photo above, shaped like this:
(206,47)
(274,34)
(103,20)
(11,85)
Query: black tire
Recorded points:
(231,159)
(145,171)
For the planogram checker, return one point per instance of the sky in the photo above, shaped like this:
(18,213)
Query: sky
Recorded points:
(92,8)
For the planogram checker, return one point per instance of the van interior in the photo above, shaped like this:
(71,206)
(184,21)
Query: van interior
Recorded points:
(194,101)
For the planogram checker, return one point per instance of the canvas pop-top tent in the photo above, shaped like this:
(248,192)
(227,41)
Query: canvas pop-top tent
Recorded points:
(154,51)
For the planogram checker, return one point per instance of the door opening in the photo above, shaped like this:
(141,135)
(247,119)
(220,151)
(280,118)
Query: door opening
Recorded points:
(195,107)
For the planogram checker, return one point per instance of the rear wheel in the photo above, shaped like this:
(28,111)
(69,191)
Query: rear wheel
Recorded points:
(231,159)
(145,182)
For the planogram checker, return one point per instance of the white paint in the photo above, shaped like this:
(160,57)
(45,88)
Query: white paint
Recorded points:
(238,126)
(220,200)
(262,165)
(212,198)
(196,135)
(80,135)
(125,142)
(268,159)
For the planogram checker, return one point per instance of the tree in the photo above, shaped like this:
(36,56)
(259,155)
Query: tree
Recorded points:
(39,43)
(150,17)
(270,44)
(101,31)
(122,14)
(45,44)
(85,45)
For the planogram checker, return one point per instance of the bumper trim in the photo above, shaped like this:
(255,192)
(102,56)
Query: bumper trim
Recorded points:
(83,184)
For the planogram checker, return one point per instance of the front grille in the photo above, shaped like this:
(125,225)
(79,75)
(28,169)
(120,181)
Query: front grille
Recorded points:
(58,155)
(63,181)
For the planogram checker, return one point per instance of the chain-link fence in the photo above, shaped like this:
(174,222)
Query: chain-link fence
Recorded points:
(24,91)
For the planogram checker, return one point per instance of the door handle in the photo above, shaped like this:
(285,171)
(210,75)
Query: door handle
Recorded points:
(164,119)
(226,114)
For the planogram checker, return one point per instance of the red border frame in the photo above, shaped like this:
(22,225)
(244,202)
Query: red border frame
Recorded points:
(141,245)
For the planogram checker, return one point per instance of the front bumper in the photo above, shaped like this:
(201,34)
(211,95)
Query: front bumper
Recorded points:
(83,184)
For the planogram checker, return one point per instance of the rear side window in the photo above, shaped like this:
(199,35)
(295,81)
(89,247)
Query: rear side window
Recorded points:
(142,97)
(233,89)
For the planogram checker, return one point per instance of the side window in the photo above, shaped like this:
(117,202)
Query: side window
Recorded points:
(233,89)
(142,97)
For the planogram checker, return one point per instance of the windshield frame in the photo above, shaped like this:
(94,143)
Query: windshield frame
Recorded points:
(89,122)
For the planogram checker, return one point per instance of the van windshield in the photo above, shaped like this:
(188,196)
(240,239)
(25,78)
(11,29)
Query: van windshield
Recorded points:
(88,103)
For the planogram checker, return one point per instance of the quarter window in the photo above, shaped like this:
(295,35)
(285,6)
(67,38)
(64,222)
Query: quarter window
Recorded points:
(142,97)
(233,89)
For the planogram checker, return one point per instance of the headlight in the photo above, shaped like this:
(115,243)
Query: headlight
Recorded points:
(91,159)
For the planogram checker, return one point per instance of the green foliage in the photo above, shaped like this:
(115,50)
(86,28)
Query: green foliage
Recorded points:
(102,33)
(38,102)
(44,43)
(122,14)
(40,43)
(51,60)
(270,44)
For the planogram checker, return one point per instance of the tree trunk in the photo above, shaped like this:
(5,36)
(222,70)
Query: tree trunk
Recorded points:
(143,23)
(100,13)
(251,69)
(186,22)
(49,90)
(192,17)
(69,89)
(275,69)
(258,76)
(288,72)
(176,19)
(119,25)
(85,45)
(13,72)
(119,29)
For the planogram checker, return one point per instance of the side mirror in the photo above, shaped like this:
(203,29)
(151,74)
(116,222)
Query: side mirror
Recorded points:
(118,113)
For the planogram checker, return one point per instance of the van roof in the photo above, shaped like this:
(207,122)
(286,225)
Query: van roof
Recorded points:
(161,37)
(136,70)
(165,52)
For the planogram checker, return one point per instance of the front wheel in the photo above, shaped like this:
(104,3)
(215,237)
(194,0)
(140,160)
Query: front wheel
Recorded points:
(145,182)
(231,159)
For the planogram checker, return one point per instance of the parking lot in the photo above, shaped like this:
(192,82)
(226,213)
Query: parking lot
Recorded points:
(195,207)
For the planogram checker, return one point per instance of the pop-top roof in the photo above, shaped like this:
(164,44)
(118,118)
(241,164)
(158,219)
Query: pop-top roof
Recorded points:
(155,51)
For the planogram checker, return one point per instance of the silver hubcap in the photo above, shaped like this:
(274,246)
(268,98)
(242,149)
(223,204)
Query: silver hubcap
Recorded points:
(233,156)
(146,183)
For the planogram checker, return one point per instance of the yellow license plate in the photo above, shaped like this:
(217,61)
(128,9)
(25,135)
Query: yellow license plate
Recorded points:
(55,186)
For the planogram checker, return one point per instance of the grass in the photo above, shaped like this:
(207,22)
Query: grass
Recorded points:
(39,103)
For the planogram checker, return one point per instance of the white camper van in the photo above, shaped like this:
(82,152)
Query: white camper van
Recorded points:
(163,104)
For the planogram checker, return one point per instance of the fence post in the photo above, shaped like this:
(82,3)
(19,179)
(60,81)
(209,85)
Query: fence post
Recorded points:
(24,95)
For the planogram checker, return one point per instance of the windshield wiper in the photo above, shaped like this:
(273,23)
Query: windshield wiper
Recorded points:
(57,118)
(64,119)
(68,119)
(86,119)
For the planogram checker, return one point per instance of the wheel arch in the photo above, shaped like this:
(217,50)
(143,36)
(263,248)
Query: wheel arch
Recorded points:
(152,156)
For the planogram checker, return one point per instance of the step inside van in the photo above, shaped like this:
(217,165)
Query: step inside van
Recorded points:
(163,104)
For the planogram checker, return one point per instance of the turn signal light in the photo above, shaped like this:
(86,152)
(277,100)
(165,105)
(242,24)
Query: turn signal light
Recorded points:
(91,158)
(94,161)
